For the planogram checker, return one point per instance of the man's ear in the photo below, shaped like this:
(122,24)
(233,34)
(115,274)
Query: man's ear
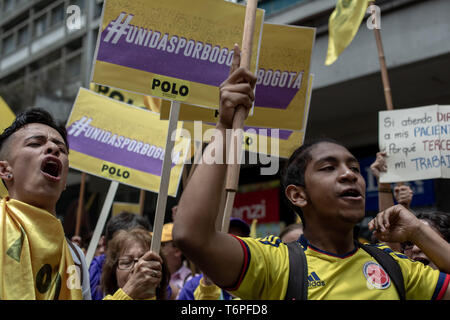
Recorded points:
(296,195)
(5,170)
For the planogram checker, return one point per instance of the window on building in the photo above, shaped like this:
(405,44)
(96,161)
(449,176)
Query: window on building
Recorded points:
(98,9)
(57,15)
(22,38)
(54,74)
(8,45)
(40,25)
(73,67)
(79,3)
(8,5)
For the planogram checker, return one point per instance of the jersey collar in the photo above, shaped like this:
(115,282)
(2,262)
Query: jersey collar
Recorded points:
(305,244)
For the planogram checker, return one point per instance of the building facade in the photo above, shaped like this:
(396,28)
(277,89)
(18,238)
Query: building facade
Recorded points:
(39,53)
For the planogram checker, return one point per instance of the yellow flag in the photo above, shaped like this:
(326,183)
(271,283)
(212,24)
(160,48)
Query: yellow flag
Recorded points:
(35,259)
(343,25)
(137,100)
(253,229)
(119,207)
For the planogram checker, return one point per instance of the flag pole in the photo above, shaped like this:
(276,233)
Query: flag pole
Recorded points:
(101,221)
(197,159)
(141,201)
(239,116)
(80,204)
(89,53)
(384,72)
(165,179)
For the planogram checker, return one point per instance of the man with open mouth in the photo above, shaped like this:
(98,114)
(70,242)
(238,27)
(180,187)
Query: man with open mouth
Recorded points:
(36,260)
(323,184)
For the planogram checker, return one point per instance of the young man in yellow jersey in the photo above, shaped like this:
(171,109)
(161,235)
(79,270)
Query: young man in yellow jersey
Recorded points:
(323,183)
(36,261)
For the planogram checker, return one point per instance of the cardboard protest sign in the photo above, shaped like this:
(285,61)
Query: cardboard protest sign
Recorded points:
(137,100)
(116,141)
(118,207)
(6,115)
(272,142)
(6,119)
(173,49)
(282,86)
(279,143)
(417,143)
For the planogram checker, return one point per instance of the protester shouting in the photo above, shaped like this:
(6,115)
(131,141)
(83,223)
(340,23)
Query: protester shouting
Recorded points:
(324,185)
(36,261)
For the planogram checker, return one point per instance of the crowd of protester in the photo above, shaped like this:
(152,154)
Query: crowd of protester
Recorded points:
(321,181)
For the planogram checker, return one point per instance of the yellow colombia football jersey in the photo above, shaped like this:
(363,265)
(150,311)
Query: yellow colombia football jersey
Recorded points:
(355,275)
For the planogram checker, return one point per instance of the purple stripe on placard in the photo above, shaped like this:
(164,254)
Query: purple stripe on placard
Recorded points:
(151,51)
(274,97)
(187,64)
(282,134)
(123,157)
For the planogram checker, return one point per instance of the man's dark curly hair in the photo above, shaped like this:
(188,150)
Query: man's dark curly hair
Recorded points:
(34,115)
(439,220)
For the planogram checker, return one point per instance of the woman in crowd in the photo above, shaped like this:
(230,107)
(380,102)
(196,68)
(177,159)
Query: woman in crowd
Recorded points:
(131,270)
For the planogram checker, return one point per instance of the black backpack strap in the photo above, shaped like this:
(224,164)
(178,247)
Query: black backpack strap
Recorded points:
(80,265)
(390,266)
(298,273)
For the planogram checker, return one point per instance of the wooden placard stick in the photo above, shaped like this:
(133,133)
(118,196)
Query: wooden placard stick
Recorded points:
(80,204)
(197,158)
(239,116)
(165,178)
(222,225)
(141,202)
(384,72)
(101,221)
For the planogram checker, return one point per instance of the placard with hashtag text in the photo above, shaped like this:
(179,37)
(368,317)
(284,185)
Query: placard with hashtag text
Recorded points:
(172,49)
(259,140)
(120,142)
(281,99)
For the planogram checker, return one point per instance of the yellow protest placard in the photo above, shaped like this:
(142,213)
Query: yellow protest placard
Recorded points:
(6,115)
(281,89)
(119,207)
(137,100)
(119,142)
(280,143)
(173,49)
(6,118)
(256,140)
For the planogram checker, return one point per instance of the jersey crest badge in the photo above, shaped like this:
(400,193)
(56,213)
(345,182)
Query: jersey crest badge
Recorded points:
(376,276)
